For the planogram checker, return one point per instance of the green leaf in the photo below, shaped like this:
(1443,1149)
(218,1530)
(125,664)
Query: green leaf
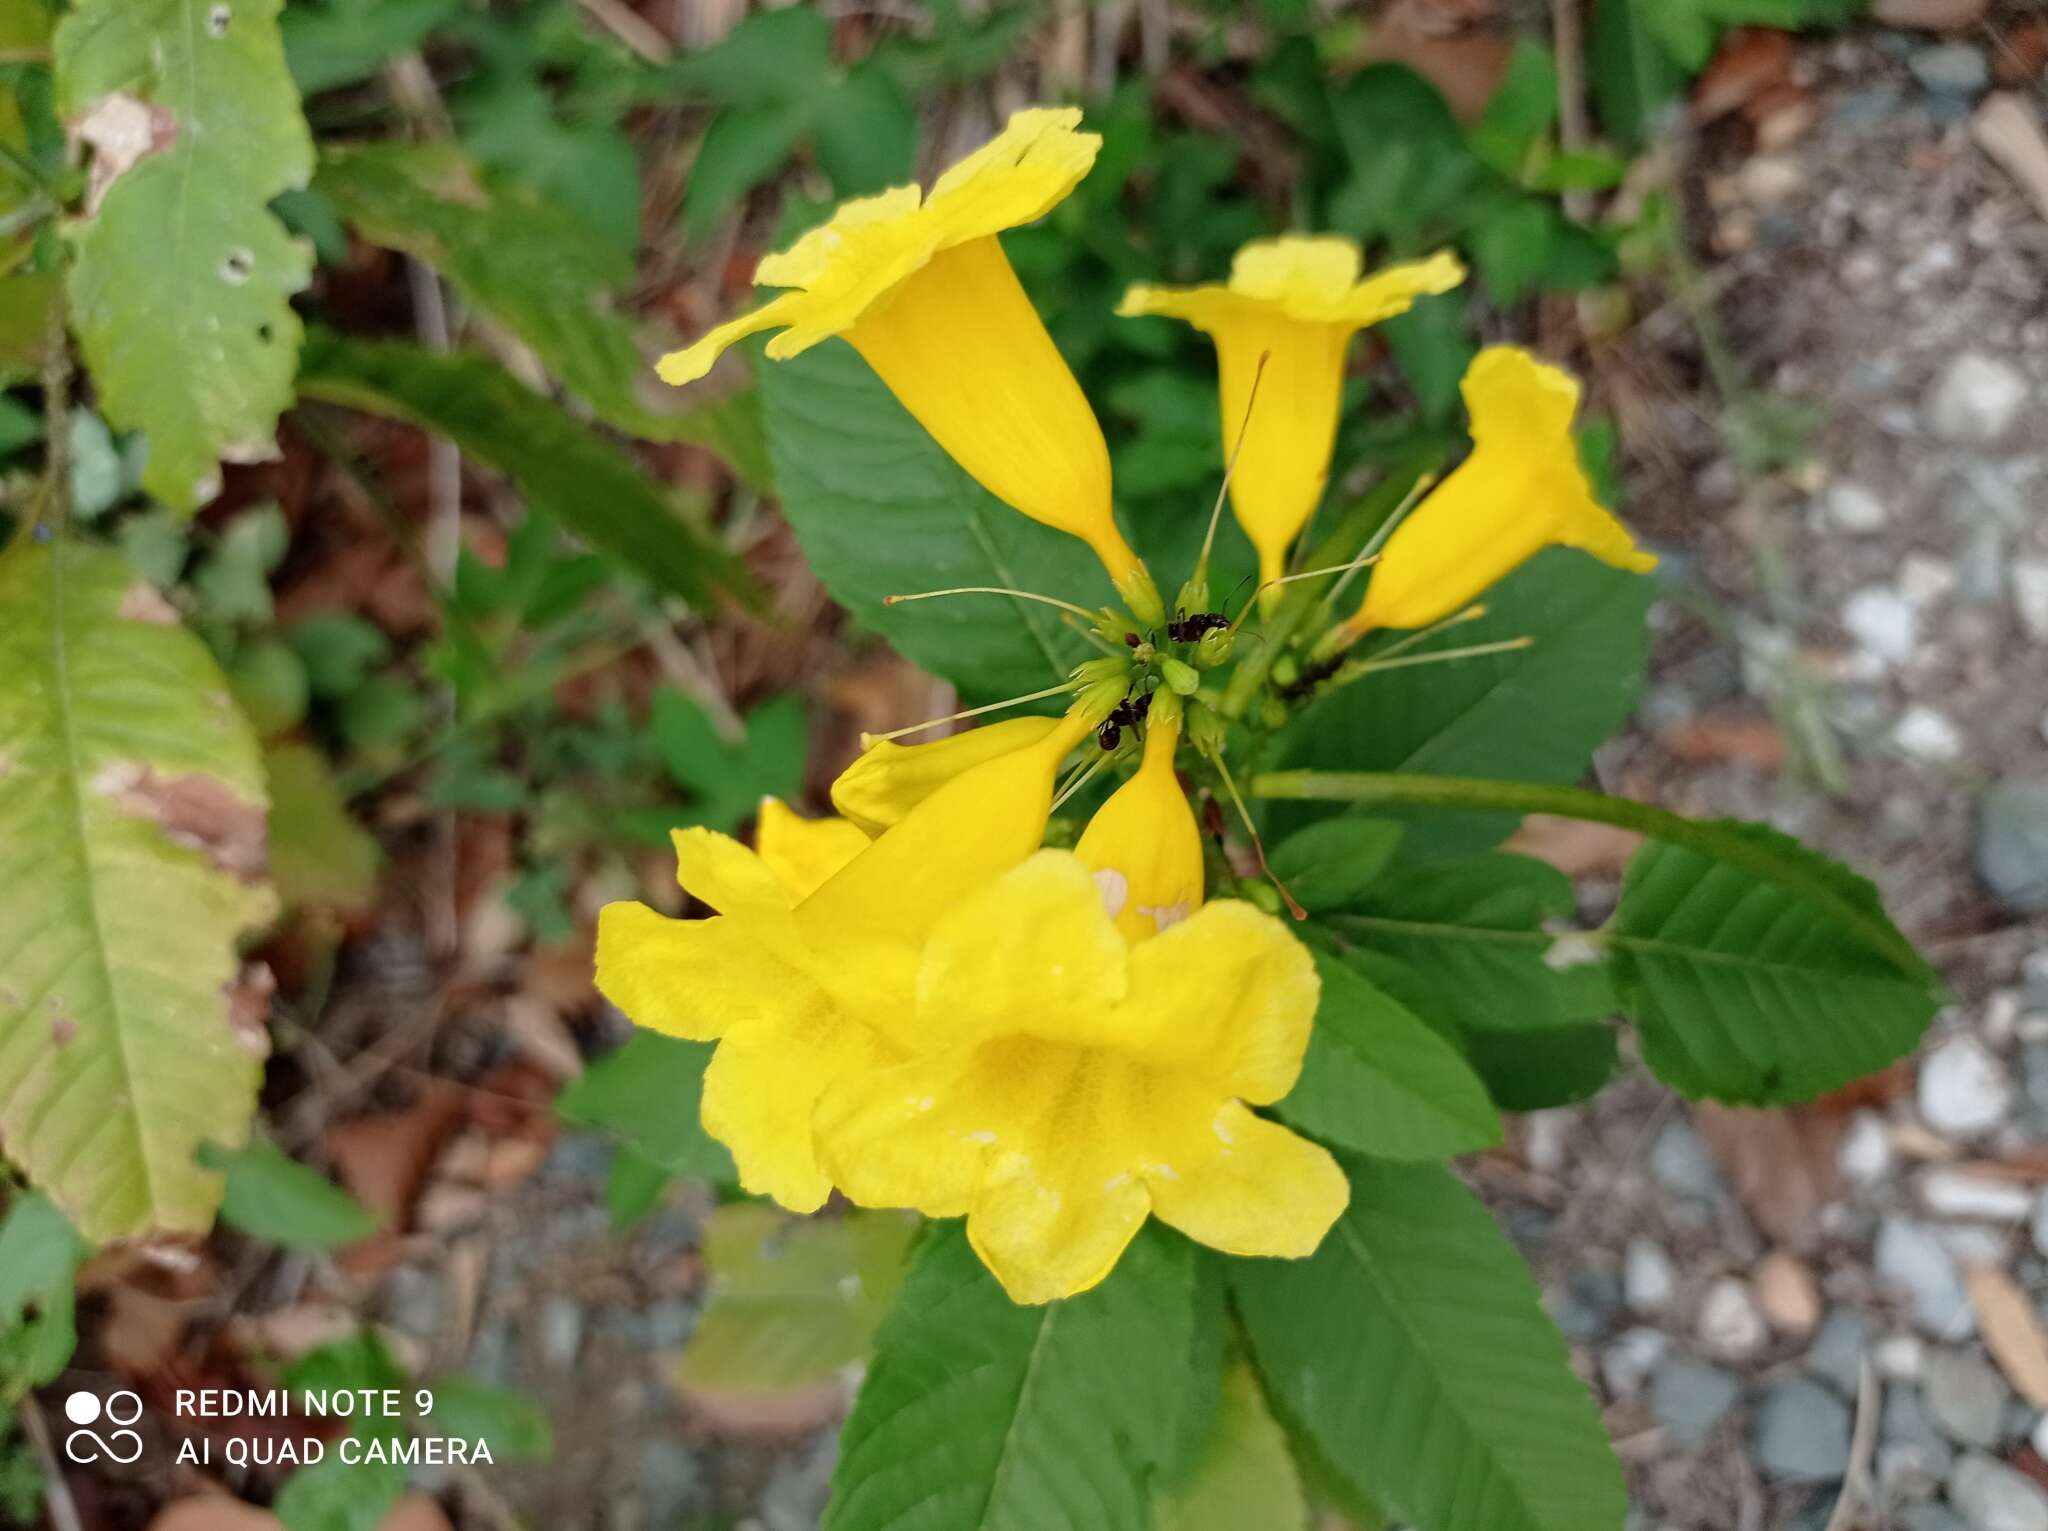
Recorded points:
(1511,245)
(533,266)
(343,41)
(1634,79)
(334,1495)
(26,302)
(1412,1349)
(269,685)
(131,832)
(271,1196)
(181,284)
(1245,1476)
(980,1415)
(1331,864)
(513,1425)
(1750,987)
(881,510)
(1378,1080)
(339,649)
(726,781)
(319,854)
(1521,111)
(770,57)
(1536,714)
(647,1094)
(360,1361)
(792,1299)
(383,710)
(564,471)
(866,135)
(743,147)
(1757,971)
(156,543)
(39,1252)
(633,1186)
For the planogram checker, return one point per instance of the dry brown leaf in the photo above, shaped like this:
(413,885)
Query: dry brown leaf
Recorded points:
(1930,15)
(1713,740)
(1749,61)
(2011,1331)
(1575,847)
(214,1512)
(2021,54)
(383,1159)
(2008,129)
(1466,66)
(1782,1164)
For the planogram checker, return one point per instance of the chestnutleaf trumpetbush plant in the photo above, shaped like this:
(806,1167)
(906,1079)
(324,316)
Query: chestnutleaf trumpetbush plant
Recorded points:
(1168,991)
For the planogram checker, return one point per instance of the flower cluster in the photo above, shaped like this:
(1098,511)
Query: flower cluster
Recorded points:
(917,1004)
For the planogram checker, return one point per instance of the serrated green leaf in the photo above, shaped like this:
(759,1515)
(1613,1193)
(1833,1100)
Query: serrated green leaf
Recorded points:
(38,1254)
(271,1196)
(647,1095)
(979,1415)
(1412,1349)
(881,510)
(180,290)
(131,813)
(538,270)
(1379,1080)
(564,470)
(1245,1476)
(513,1425)
(792,1299)
(1757,993)
(319,854)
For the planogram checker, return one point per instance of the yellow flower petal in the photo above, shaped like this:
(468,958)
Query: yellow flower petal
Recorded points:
(724,874)
(1521,490)
(915,1135)
(696,978)
(762,1089)
(1229,997)
(1031,953)
(804,854)
(1144,846)
(1239,1183)
(1017,177)
(888,779)
(1292,303)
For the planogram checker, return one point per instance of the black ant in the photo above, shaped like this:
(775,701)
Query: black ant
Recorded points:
(1311,678)
(1128,713)
(1189,629)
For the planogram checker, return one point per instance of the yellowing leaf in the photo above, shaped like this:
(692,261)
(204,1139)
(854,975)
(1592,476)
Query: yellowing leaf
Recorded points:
(1245,1476)
(180,292)
(131,853)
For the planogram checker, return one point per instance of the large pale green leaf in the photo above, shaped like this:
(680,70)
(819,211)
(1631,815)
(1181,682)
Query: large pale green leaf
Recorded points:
(1378,1080)
(647,1093)
(131,853)
(564,470)
(1411,1348)
(792,1299)
(1245,1476)
(1758,991)
(180,290)
(1535,715)
(881,510)
(533,267)
(980,1415)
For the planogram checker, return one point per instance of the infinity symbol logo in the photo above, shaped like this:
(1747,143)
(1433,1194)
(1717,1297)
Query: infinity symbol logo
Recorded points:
(86,1445)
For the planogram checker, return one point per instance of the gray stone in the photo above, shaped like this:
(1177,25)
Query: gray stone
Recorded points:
(1853,508)
(1802,1432)
(1836,1354)
(1586,1305)
(1681,1162)
(1882,622)
(1688,1398)
(2012,844)
(1626,1364)
(561,1331)
(1931,1517)
(1951,69)
(1994,1497)
(795,1494)
(1915,1448)
(1964,1087)
(2037,1227)
(1966,1397)
(671,1483)
(2030,595)
(1913,1260)
(1976,401)
(1648,1278)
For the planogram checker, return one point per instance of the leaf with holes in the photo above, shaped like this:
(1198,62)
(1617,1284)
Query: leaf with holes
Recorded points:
(1765,973)
(881,510)
(181,288)
(564,470)
(131,858)
(979,1415)
(1412,1350)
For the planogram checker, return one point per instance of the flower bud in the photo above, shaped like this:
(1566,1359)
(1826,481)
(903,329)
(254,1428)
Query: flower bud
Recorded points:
(1194,596)
(1109,667)
(1205,729)
(1178,676)
(1215,647)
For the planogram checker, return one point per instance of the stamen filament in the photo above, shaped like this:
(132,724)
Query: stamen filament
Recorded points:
(1471,613)
(1258,845)
(1015,595)
(1409,500)
(1358,667)
(1346,569)
(1229,468)
(1081,778)
(970,712)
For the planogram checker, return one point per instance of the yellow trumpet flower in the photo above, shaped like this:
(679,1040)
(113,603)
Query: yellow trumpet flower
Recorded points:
(1069,1082)
(792,980)
(920,286)
(1295,302)
(1521,490)
(888,779)
(1143,845)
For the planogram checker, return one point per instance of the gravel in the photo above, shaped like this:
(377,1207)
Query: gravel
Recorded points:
(1802,1432)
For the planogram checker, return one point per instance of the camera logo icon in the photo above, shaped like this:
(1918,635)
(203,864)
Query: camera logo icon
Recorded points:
(85,1444)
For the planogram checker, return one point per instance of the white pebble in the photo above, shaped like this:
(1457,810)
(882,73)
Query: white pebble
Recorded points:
(1925,579)
(1866,1153)
(2030,595)
(1883,622)
(1964,1089)
(1648,1278)
(1729,1324)
(1929,736)
(1899,1357)
(1976,401)
(1957,1193)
